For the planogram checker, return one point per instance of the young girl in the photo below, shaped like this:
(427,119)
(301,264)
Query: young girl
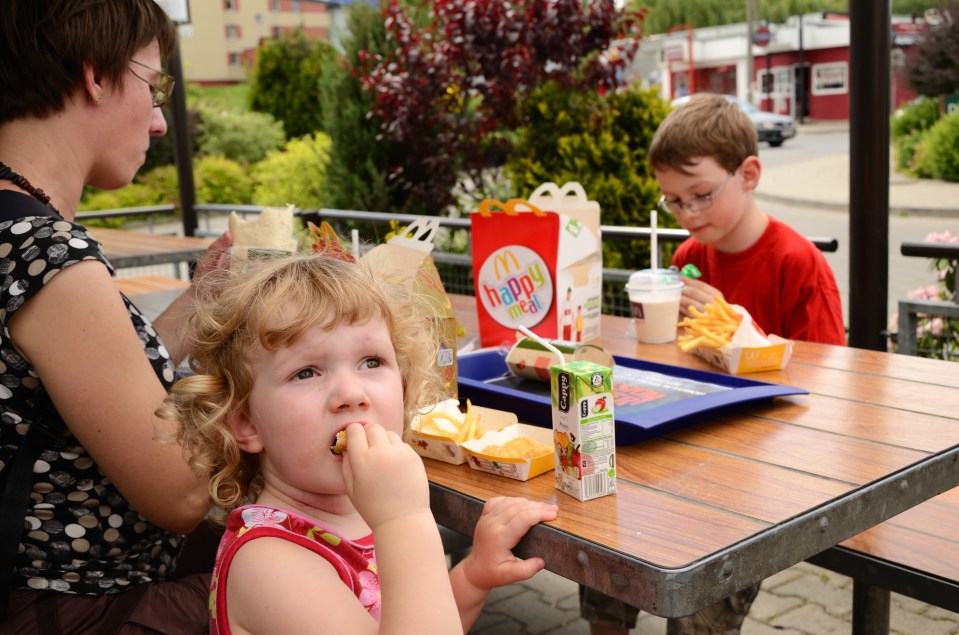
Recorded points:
(286,357)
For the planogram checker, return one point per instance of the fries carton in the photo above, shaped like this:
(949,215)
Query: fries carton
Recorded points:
(439,431)
(584,429)
(748,349)
(486,454)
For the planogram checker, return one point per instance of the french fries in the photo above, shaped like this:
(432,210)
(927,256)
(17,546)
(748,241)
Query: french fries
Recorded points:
(457,430)
(713,328)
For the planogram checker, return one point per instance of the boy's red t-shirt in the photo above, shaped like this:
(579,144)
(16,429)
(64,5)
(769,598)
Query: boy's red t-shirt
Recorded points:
(783,281)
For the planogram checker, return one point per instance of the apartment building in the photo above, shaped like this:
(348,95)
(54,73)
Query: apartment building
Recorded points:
(218,44)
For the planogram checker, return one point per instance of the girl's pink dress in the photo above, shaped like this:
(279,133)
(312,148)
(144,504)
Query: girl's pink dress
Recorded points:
(355,561)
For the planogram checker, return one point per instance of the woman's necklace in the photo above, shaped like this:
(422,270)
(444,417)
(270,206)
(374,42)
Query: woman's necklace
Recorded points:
(6,174)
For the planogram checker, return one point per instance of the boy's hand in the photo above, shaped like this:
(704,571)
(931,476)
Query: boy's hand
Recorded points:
(385,477)
(503,523)
(698,294)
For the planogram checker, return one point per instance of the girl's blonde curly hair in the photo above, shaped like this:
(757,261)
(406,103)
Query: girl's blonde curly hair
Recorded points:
(272,305)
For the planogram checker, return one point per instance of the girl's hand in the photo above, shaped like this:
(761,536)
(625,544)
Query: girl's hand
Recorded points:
(503,523)
(696,293)
(385,477)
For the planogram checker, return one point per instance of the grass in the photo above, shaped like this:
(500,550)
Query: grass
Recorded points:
(232,97)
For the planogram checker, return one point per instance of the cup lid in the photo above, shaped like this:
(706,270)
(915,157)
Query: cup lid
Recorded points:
(658,279)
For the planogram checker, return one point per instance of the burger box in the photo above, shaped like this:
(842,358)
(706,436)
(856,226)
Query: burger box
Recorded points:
(446,449)
(519,469)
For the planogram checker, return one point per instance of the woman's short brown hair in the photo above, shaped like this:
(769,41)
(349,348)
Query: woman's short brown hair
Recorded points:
(707,125)
(44,45)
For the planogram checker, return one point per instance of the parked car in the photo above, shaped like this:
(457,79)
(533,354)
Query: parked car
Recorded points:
(771,127)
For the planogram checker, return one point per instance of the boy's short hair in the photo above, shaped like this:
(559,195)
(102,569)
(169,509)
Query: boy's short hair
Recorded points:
(272,306)
(44,45)
(707,126)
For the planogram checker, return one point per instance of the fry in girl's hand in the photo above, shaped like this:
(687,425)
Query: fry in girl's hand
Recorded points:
(711,328)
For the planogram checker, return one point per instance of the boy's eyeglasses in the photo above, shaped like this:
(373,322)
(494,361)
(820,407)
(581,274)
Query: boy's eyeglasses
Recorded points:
(696,204)
(161,89)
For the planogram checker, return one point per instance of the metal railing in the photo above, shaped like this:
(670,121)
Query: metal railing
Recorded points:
(915,312)
(456,269)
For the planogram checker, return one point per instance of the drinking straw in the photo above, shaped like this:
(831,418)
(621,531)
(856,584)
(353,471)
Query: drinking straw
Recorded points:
(528,333)
(653,245)
(355,234)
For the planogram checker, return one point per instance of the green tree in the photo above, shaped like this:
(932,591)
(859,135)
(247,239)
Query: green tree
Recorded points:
(934,69)
(286,81)
(448,93)
(601,142)
(358,173)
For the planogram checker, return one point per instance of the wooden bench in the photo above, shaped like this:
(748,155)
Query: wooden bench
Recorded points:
(915,554)
(136,285)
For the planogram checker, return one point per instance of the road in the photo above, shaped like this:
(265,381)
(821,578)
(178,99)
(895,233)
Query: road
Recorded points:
(905,273)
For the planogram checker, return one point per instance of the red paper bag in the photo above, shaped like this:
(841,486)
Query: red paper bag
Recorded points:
(514,270)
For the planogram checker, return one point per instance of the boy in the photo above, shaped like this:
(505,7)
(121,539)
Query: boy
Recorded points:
(705,158)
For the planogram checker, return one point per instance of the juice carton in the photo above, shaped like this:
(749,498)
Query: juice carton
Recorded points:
(584,430)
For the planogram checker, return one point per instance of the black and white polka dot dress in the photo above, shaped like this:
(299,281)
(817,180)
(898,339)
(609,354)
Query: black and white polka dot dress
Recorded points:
(81,535)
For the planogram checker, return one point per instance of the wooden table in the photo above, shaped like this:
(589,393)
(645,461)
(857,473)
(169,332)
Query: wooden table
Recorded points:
(715,507)
(126,248)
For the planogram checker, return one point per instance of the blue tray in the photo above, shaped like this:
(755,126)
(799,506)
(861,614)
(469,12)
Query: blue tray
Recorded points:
(650,398)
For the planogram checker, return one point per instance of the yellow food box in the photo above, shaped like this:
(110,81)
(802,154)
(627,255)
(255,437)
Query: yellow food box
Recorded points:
(430,443)
(521,469)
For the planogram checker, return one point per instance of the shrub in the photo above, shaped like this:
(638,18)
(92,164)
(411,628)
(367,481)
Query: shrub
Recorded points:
(601,142)
(907,130)
(296,175)
(221,180)
(940,158)
(916,116)
(244,137)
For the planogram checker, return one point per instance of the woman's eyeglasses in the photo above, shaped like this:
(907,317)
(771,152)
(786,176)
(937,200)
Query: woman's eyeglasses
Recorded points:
(696,204)
(160,90)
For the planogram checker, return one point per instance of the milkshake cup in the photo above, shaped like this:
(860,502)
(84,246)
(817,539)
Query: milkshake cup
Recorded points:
(654,297)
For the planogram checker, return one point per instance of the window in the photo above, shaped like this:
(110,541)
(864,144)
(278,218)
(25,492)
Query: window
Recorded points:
(830,79)
(296,6)
(275,6)
(232,32)
(233,59)
(231,5)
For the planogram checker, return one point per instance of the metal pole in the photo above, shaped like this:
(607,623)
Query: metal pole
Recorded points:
(801,97)
(182,153)
(869,41)
(750,70)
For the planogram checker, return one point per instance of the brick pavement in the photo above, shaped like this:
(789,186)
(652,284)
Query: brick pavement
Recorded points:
(802,600)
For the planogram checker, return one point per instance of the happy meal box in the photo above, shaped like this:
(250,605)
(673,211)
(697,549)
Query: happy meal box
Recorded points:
(537,263)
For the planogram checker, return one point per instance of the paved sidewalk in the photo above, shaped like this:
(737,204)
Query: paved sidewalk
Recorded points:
(824,183)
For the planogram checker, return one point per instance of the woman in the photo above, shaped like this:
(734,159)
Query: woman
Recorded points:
(108,503)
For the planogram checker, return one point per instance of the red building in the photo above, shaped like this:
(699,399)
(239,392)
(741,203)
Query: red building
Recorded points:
(797,68)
